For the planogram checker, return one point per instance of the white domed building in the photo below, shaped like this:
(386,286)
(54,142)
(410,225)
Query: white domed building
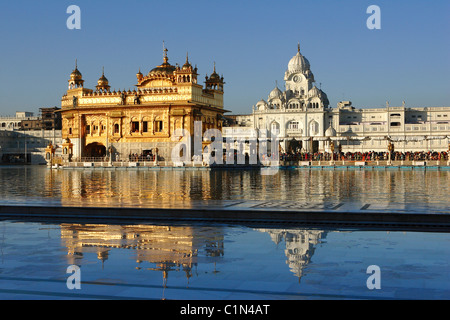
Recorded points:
(297,113)
(303,120)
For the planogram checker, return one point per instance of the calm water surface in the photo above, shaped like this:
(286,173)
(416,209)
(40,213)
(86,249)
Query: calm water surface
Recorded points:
(425,190)
(220,261)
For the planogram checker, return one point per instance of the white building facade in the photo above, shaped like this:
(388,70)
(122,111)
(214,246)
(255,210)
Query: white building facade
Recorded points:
(304,122)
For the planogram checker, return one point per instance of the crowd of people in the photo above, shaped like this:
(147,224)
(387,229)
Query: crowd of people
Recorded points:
(339,156)
(365,156)
(145,156)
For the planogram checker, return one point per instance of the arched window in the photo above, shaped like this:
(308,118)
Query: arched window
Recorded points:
(158,125)
(313,128)
(275,127)
(116,128)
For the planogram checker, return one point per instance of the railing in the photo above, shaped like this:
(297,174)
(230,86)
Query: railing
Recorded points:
(130,158)
(91,159)
(368,156)
(140,158)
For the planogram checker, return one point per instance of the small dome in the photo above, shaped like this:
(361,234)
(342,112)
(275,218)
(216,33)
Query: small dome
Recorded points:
(262,101)
(324,97)
(314,92)
(276,93)
(102,80)
(214,76)
(187,65)
(76,75)
(330,132)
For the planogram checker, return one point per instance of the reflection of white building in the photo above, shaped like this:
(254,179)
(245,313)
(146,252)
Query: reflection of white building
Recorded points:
(303,119)
(300,246)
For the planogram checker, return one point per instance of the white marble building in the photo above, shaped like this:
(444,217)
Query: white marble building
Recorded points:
(304,121)
(9,123)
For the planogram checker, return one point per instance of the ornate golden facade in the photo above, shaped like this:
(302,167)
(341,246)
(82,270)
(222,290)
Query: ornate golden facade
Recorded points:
(101,122)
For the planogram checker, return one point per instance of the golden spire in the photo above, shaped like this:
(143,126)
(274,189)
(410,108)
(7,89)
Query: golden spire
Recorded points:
(165,53)
(298,47)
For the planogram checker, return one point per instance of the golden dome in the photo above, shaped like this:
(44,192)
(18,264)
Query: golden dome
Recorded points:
(103,80)
(103,83)
(139,75)
(165,69)
(76,74)
(187,65)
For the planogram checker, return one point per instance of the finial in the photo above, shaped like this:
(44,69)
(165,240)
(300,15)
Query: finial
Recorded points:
(165,53)
(214,67)
(103,71)
(276,84)
(187,57)
(76,64)
(298,47)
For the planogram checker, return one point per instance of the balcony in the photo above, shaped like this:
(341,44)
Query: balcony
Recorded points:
(294,132)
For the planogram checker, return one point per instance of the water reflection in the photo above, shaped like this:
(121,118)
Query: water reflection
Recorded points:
(404,188)
(166,249)
(155,247)
(300,246)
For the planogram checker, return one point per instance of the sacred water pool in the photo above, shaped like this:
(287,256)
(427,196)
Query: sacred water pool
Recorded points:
(206,260)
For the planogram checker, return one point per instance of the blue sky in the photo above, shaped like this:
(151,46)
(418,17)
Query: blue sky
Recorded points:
(250,41)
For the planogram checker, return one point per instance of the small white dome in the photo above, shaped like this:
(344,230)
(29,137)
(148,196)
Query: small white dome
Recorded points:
(314,92)
(261,102)
(330,132)
(276,93)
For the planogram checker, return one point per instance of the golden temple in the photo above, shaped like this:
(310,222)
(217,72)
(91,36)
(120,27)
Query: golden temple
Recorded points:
(142,121)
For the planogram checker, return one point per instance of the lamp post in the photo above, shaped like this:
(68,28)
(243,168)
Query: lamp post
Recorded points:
(391,150)
(156,157)
(49,154)
(110,151)
(332,152)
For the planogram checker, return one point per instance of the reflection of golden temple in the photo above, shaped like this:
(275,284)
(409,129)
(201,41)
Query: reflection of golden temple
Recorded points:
(132,188)
(140,188)
(167,248)
(178,188)
(300,246)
